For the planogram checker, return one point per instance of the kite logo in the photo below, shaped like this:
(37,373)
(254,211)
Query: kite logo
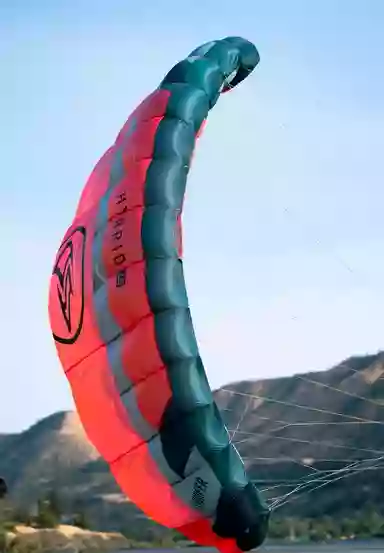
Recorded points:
(68,287)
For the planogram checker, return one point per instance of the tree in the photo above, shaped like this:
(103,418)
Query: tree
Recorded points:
(53,502)
(80,520)
(48,515)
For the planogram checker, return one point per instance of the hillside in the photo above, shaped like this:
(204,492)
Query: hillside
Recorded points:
(296,427)
(290,428)
(54,454)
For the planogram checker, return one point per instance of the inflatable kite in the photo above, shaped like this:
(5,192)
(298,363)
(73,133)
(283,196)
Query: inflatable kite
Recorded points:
(121,321)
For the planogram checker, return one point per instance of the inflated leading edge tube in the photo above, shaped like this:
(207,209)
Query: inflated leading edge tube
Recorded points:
(121,321)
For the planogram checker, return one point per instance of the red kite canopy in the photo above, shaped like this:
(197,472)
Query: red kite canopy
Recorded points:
(121,321)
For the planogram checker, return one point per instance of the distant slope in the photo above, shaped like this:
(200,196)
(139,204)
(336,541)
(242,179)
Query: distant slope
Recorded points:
(54,454)
(290,428)
(51,448)
(299,425)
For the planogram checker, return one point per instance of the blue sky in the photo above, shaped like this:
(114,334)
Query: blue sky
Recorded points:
(283,225)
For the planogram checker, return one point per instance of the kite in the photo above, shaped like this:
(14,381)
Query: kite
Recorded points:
(121,321)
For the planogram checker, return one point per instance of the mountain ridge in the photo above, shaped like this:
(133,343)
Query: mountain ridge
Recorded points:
(292,428)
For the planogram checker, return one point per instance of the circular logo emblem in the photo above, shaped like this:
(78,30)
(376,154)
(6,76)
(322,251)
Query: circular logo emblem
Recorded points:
(67,288)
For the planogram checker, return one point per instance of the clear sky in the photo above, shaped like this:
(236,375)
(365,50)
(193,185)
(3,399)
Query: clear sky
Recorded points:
(283,225)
